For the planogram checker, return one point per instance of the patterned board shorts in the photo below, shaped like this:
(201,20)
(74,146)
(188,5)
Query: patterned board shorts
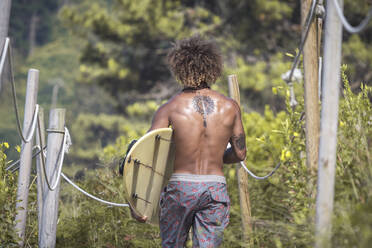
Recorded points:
(199,201)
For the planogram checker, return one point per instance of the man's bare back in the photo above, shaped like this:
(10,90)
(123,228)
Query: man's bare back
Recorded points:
(203,122)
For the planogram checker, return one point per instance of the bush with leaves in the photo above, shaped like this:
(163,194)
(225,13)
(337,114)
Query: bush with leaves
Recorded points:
(353,197)
(8,194)
(283,207)
(8,190)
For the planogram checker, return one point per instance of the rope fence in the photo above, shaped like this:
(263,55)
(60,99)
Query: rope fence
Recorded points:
(258,177)
(7,53)
(352,29)
(64,149)
(92,196)
(53,186)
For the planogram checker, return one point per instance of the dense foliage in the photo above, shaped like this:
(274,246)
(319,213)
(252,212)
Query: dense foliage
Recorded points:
(126,43)
(8,191)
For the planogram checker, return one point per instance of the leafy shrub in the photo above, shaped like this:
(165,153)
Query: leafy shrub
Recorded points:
(353,208)
(283,206)
(8,194)
(8,191)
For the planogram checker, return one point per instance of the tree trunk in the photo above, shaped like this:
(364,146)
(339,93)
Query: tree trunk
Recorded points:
(32,34)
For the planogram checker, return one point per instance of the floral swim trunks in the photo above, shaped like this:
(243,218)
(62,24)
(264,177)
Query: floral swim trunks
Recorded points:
(197,201)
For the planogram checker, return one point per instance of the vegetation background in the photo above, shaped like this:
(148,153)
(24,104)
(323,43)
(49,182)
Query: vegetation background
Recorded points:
(106,58)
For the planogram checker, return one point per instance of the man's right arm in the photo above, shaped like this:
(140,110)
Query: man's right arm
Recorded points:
(237,151)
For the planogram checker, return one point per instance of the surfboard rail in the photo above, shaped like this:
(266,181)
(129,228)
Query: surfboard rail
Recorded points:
(147,169)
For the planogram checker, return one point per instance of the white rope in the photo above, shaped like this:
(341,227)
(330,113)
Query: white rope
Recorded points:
(66,144)
(61,159)
(251,173)
(59,171)
(257,177)
(7,51)
(32,129)
(3,56)
(92,196)
(348,27)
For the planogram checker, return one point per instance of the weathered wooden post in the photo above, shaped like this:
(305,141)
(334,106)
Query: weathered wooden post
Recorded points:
(26,155)
(40,141)
(54,154)
(311,72)
(328,127)
(4,53)
(245,206)
(4,24)
(4,20)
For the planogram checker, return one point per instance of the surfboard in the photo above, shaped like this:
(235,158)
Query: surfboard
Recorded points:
(147,169)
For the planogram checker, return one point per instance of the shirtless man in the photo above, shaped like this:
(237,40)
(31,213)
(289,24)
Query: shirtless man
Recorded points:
(203,122)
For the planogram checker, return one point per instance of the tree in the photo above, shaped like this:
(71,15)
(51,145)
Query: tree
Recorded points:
(127,43)
(31,23)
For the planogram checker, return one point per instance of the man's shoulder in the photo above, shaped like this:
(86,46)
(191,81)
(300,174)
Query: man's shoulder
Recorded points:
(173,100)
(228,102)
(168,105)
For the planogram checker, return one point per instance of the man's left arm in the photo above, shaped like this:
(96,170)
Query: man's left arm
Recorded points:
(161,118)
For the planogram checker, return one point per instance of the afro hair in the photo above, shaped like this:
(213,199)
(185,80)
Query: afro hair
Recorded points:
(195,62)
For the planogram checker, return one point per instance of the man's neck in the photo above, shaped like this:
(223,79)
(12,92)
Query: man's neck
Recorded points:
(201,86)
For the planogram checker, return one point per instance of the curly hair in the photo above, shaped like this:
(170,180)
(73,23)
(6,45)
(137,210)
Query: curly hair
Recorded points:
(195,62)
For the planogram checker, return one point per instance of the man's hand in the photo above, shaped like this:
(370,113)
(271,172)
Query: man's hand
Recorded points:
(121,165)
(137,217)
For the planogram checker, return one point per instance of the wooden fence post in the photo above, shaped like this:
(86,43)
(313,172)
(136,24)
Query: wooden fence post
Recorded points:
(311,72)
(39,169)
(50,203)
(245,205)
(5,6)
(26,155)
(328,127)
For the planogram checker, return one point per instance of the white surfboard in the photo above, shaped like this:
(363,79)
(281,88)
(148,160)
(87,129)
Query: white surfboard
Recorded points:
(147,169)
